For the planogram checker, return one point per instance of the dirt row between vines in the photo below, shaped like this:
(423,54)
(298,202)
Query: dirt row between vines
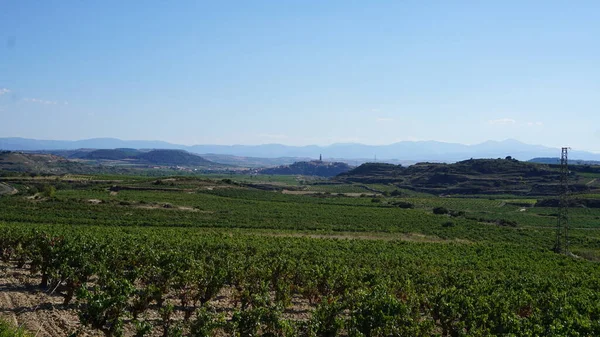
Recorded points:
(24,304)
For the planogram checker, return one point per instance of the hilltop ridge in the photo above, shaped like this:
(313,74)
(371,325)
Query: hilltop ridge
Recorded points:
(39,163)
(309,168)
(473,176)
(86,161)
(152,157)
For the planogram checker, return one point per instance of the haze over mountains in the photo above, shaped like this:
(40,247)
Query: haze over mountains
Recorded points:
(405,150)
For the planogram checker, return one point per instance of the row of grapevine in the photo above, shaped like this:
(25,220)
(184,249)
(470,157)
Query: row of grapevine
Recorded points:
(186,282)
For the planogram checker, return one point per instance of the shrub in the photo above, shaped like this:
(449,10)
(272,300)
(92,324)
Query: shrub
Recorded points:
(403,204)
(32,190)
(448,224)
(440,210)
(396,193)
(247,323)
(504,222)
(456,213)
(207,322)
(326,320)
(48,191)
(380,313)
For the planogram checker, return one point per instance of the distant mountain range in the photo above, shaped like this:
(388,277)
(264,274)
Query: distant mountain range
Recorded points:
(401,151)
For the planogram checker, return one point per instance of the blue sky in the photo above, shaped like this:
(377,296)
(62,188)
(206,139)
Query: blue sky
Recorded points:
(302,72)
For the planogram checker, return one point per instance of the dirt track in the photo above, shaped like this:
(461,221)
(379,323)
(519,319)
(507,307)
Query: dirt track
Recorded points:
(413,237)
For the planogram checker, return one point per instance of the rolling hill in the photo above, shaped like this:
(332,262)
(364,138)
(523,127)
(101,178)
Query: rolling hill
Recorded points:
(111,154)
(309,168)
(474,176)
(160,157)
(105,160)
(172,157)
(40,163)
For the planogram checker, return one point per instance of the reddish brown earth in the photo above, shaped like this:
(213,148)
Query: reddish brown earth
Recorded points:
(24,304)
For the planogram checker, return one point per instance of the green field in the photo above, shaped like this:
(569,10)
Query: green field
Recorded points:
(234,255)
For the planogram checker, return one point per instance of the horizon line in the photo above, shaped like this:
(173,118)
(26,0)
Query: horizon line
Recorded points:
(283,144)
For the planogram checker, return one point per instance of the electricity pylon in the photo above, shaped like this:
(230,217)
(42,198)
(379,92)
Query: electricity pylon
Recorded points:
(562,224)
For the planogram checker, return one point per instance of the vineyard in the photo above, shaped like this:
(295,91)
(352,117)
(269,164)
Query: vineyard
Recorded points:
(218,256)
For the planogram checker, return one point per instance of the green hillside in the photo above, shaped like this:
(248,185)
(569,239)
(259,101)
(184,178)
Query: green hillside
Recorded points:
(218,257)
(173,157)
(309,168)
(39,163)
(112,154)
(474,176)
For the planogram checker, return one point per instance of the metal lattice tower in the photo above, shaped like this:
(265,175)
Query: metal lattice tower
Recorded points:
(562,225)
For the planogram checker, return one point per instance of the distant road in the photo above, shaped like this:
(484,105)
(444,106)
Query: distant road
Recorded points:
(7,189)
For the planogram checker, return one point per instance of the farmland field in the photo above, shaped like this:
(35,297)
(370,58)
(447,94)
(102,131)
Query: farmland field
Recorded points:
(235,255)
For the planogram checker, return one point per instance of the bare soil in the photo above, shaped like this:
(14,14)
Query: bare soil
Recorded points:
(7,189)
(414,237)
(24,304)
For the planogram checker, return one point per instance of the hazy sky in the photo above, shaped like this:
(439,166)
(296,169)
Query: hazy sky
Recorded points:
(302,72)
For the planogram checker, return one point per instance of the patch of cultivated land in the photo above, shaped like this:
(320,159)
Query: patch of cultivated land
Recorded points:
(41,311)
(413,237)
(271,259)
(347,194)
